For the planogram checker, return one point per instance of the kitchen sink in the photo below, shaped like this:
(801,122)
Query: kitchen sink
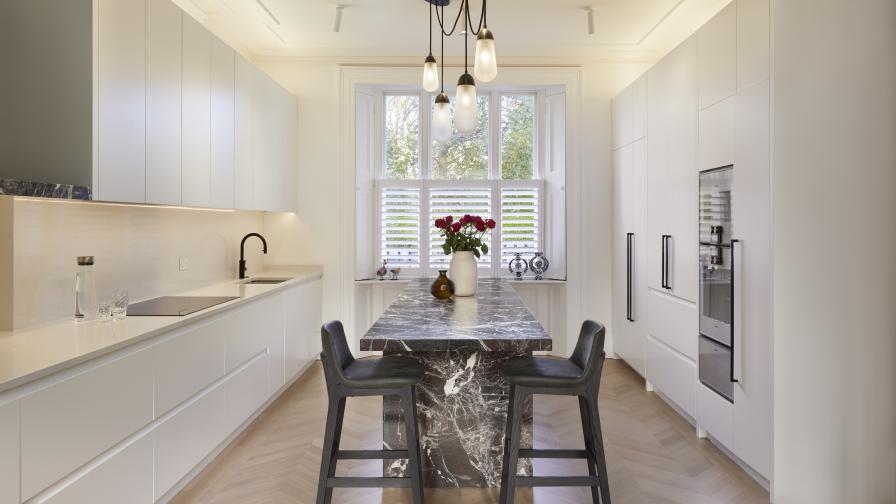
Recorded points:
(266,281)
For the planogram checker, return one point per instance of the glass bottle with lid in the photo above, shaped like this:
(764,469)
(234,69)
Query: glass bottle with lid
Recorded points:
(85,290)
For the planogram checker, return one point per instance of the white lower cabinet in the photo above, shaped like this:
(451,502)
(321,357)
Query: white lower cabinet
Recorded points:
(188,362)
(302,307)
(125,477)
(715,415)
(673,374)
(72,421)
(246,391)
(9,452)
(674,322)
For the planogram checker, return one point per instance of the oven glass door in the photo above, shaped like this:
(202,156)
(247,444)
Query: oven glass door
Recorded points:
(715,293)
(715,367)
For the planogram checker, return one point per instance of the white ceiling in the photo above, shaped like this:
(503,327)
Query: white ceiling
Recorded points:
(525,30)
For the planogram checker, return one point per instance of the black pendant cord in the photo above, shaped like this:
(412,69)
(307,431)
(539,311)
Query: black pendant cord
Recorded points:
(430,28)
(466,34)
(465,12)
(456,20)
(443,51)
(481,17)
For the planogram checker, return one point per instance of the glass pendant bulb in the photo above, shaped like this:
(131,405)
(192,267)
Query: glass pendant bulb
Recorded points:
(430,74)
(485,66)
(466,112)
(441,119)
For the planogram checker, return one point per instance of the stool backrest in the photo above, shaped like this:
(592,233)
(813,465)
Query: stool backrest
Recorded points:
(336,355)
(589,352)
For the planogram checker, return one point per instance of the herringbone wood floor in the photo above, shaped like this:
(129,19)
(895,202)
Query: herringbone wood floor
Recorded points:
(653,454)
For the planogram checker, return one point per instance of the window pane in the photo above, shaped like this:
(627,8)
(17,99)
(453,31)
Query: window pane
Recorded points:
(457,203)
(463,157)
(519,223)
(400,227)
(517,137)
(402,137)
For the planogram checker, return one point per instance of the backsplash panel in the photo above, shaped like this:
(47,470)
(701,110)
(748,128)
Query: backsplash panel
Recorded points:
(137,248)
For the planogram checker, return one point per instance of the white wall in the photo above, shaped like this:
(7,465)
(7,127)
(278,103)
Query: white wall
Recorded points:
(136,248)
(834,178)
(314,234)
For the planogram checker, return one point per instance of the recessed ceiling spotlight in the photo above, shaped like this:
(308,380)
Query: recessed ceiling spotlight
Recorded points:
(337,21)
(590,10)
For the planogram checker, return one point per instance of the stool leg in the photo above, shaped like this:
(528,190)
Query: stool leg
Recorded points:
(588,434)
(409,398)
(598,446)
(332,435)
(512,449)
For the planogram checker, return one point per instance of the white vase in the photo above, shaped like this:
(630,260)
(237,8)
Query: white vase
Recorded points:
(463,272)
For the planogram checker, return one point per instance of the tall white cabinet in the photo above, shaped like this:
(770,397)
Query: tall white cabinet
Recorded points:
(707,106)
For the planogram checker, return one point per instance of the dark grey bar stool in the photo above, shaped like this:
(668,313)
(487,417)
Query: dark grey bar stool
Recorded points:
(347,377)
(577,376)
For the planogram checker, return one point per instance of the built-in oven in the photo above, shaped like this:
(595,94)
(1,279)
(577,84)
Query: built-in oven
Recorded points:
(716,305)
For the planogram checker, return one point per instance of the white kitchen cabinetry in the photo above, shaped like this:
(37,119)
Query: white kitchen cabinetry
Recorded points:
(630,255)
(274,112)
(302,307)
(672,172)
(716,57)
(244,104)
(70,422)
(673,375)
(125,477)
(9,452)
(223,137)
(196,178)
(163,102)
(753,42)
(121,101)
(717,135)
(753,292)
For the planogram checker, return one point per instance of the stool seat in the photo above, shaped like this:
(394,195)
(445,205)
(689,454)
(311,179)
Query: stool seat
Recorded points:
(543,372)
(383,372)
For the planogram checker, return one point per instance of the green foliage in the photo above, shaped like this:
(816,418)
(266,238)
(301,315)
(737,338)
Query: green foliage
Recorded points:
(517,136)
(465,235)
(463,157)
(402,137)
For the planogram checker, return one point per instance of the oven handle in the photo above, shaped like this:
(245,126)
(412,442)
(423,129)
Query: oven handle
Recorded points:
(628,279)
(733,346)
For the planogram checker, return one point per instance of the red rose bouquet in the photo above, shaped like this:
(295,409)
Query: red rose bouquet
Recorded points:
(465,234)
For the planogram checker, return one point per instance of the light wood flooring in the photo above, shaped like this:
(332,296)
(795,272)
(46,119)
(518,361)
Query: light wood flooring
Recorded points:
(653,454)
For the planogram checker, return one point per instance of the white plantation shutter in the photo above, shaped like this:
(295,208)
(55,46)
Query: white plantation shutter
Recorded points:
(400,226)
(519,223)
(457,202)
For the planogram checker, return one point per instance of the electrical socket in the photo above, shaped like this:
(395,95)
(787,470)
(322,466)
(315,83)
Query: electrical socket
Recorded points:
(183,264)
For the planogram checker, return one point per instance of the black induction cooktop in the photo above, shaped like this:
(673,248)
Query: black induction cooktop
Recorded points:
(175,306)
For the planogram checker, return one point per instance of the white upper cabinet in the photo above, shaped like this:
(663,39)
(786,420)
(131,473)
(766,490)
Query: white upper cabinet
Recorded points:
(121,101)
(753,42)
(196,178)
(163,103)
(244,102)
(223,149)
(630,113)
(672,158)
(717,134)
(274,156)
(717,57)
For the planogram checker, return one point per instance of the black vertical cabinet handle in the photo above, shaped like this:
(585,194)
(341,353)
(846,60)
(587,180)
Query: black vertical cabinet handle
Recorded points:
(731,354)
(665,280)
(628,278)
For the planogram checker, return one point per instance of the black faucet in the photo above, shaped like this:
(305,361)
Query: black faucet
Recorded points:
(264,248)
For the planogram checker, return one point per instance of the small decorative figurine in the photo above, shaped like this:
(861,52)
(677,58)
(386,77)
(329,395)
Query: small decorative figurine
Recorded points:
(518,266)
(539,264)
(395,273)
(382,271)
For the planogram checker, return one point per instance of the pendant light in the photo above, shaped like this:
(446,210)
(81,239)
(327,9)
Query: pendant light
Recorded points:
(466,110)
(485,66)
(430,69)
(441,116)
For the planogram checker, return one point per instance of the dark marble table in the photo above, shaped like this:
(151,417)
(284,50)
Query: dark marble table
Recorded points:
(462,402)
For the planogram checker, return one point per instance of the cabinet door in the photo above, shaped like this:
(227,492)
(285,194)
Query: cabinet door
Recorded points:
(73,421)
(125,477)
(302,305)
(246,391)
(9,452)
(630,197)
(163,102)
(121,101)
(222,125)
(639,108)
(196,176)
(753,42)
(244,128)
(717,135)
(672,171)
(717,57)
(751,211)
(673,375)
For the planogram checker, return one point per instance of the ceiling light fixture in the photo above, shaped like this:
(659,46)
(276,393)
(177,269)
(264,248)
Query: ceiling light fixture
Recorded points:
(337,21)
(268,12)
(485,68)
(590,10)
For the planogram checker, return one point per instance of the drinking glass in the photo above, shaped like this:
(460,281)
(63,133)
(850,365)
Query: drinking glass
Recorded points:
(104,310)
(120,304)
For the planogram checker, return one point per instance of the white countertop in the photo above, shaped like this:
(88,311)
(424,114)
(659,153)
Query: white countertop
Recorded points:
(29,354)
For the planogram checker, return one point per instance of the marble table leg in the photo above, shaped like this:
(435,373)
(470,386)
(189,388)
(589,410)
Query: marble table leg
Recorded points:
(462,410)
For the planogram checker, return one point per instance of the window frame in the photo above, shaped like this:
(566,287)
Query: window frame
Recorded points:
(425,183)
